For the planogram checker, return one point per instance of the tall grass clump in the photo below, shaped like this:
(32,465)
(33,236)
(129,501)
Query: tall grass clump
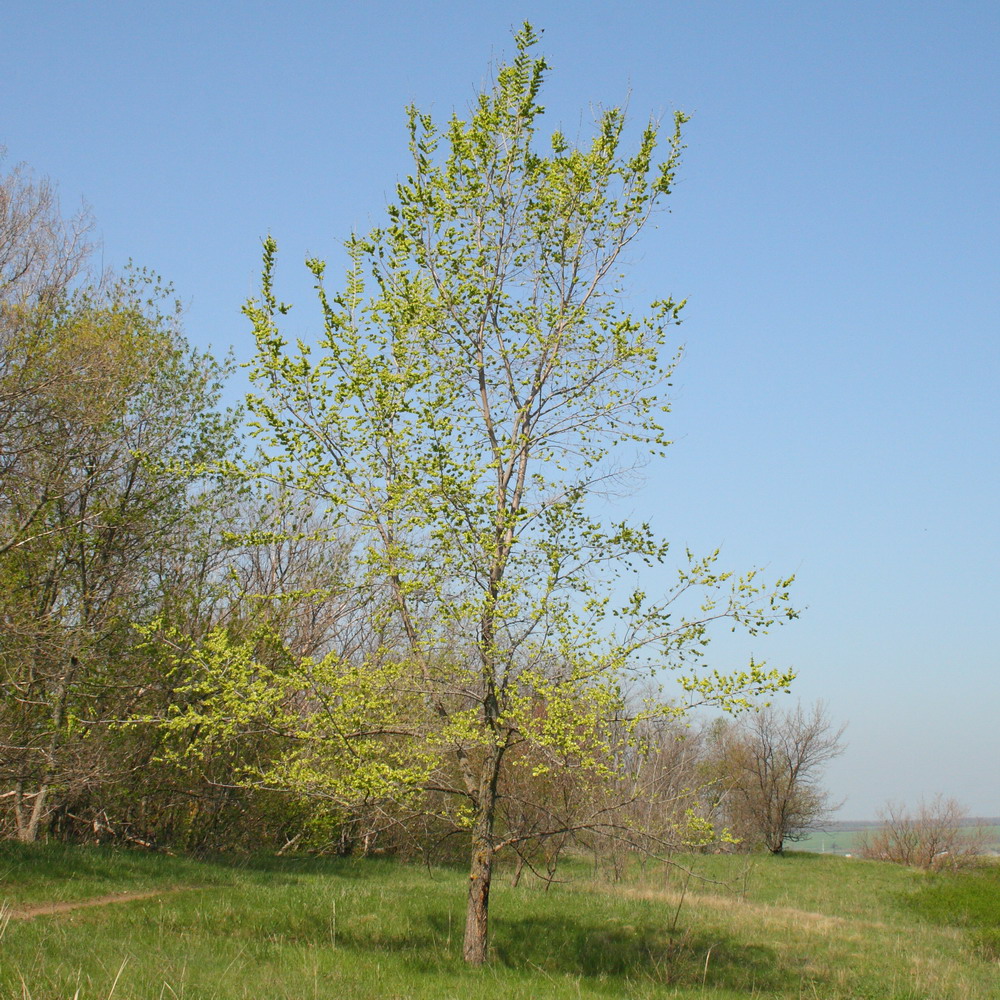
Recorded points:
(968,899)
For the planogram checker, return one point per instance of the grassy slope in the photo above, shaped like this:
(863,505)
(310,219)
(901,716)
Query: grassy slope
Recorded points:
(806,926)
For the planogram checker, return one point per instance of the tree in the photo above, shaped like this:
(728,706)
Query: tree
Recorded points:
(104,415)
(41,252)
(93,518)
(476,391)
(41,255)
(769,766)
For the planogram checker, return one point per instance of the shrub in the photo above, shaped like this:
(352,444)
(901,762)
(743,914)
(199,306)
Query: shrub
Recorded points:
(936,836)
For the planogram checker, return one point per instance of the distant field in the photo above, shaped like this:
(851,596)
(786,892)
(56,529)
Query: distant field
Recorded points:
(828,842)
(844,841)
(802,926)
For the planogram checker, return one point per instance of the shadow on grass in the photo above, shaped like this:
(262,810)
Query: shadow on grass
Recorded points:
(569,946)
(643,950)
(54,862)
(42,863)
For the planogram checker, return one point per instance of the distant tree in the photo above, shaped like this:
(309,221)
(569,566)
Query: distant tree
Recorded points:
(41,251)
(41,255)
(768,765)
(669,797)
(475,391)
(939,834)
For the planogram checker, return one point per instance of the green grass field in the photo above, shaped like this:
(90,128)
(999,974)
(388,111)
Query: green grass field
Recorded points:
(828,842)
(845,841)
(803,926)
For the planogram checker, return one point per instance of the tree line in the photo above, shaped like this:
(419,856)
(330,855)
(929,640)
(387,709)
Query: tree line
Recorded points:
(384,607)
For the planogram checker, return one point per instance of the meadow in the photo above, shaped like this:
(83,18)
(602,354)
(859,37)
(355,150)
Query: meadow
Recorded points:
(846,839)
(805,925)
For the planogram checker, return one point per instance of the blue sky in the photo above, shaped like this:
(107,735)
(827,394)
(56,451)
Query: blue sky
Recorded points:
(835,230)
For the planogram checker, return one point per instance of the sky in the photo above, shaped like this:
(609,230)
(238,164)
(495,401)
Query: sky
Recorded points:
(835,229)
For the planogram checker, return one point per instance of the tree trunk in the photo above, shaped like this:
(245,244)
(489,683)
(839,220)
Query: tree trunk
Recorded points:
(474,949)
(477,913)
(518,868)
(29,834)
(20,823)
(28,826)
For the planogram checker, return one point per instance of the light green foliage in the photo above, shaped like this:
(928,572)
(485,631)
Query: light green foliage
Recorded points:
(464,405)
(341,717)
(477,388)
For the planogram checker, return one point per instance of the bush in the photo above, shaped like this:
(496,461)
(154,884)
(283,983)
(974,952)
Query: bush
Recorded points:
(936,836)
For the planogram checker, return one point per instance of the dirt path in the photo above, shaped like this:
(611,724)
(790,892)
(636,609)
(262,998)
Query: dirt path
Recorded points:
(46,909)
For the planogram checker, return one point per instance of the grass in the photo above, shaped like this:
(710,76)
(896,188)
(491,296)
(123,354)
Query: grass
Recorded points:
(847,841)
(829,842)
(803,926)
(34,873)
(971,901)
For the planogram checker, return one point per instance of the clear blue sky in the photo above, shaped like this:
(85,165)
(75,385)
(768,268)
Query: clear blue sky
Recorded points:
(836,230)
